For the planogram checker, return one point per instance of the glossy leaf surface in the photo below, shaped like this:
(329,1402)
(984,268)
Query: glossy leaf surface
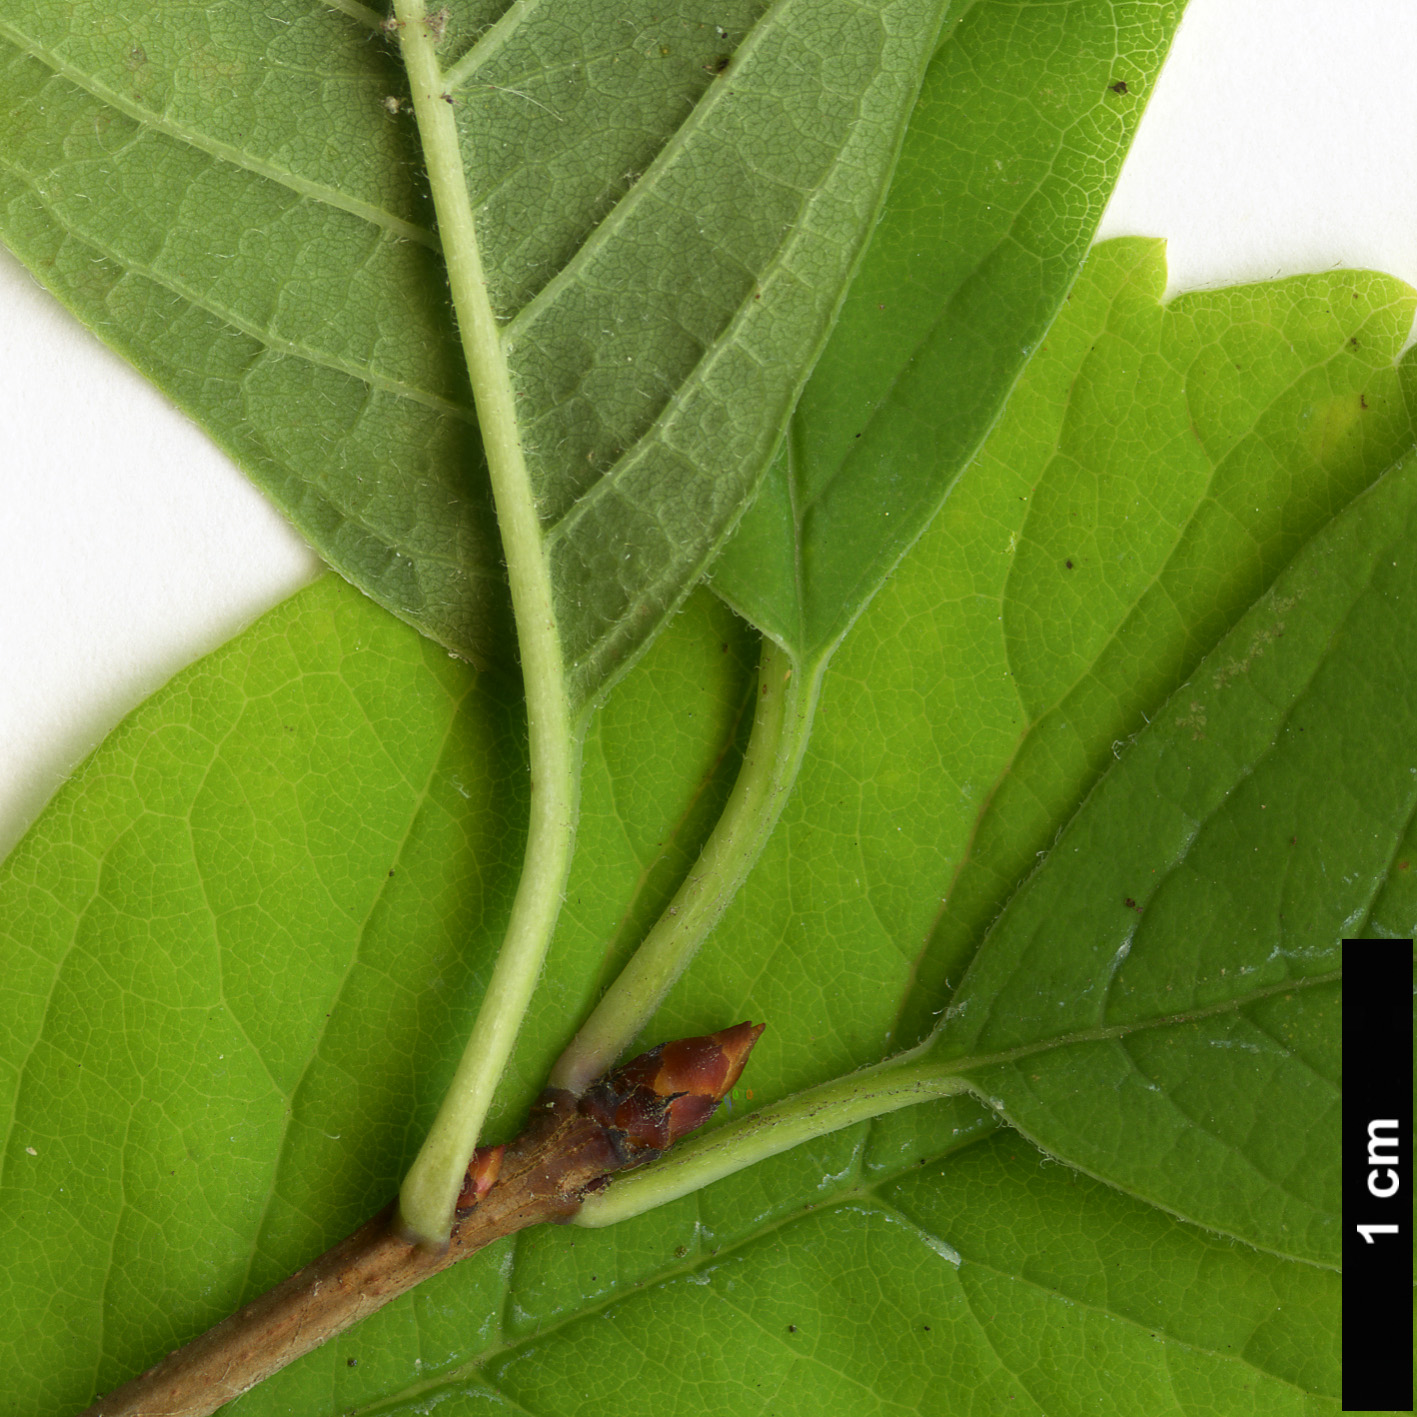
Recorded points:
(1180,1036)
(1133,513)
(1018,135)
(188,1124)
(965,720)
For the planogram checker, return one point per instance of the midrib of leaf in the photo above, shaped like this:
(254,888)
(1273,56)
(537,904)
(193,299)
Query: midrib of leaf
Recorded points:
(725,338)
(1114,1032)
(1273,1183)
(919,1075)
(214,147)
(688,438)
(1035,717)
(731,376)
(326,414)
(430,1189)
(803,502)
(853,1190)
(1039,715)
(288,1092)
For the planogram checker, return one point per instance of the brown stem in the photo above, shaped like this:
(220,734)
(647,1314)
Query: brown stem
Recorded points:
(571,1144)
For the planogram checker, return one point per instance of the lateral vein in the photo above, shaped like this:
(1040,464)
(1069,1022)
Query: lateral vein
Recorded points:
(226,152)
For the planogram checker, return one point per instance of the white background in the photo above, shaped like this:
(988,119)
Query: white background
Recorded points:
(1282,138)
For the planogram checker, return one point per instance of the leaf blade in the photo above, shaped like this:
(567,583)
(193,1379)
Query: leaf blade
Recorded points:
(1232,927)
(988,221)
(250,933)
(1312,416)
(520,1292)
(311,339)
(272,267)
(659,363)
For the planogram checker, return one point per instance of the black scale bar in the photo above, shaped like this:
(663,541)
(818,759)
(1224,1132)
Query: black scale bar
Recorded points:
(1378,1175)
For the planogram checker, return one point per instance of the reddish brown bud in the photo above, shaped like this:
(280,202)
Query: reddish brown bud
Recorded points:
(662,1095)
(482,1173)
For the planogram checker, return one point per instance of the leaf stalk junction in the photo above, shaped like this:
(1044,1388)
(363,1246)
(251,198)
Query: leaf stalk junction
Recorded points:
(592,1120)
(782,721)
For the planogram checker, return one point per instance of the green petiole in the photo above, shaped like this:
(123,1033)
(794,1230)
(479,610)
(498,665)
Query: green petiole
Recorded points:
(430,1189)
(886,1087)
(782,721)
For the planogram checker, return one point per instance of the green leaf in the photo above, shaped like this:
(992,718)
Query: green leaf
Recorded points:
(664,260)
(1016,140)
(246,940)
(993,1282)
(943,760)
(1249,831)
(222,196)
(193,1117)
(659,346)
(1121,523)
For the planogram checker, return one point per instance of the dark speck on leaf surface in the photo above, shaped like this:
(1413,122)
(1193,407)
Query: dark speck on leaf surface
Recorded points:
(792,1328)
(1119,87)
(351,1362)
(1068,564)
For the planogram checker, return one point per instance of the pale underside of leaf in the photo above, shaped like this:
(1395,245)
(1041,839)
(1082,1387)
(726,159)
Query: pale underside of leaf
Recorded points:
(668,209)
(1010,1309)
(541,1302)
(920,714)
(657,349)
(508,1321)
(267,258)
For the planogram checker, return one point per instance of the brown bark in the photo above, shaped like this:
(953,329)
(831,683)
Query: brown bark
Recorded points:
(571,1145)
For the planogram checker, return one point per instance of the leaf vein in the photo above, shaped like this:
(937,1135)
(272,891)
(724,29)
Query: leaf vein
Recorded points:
(225,152)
